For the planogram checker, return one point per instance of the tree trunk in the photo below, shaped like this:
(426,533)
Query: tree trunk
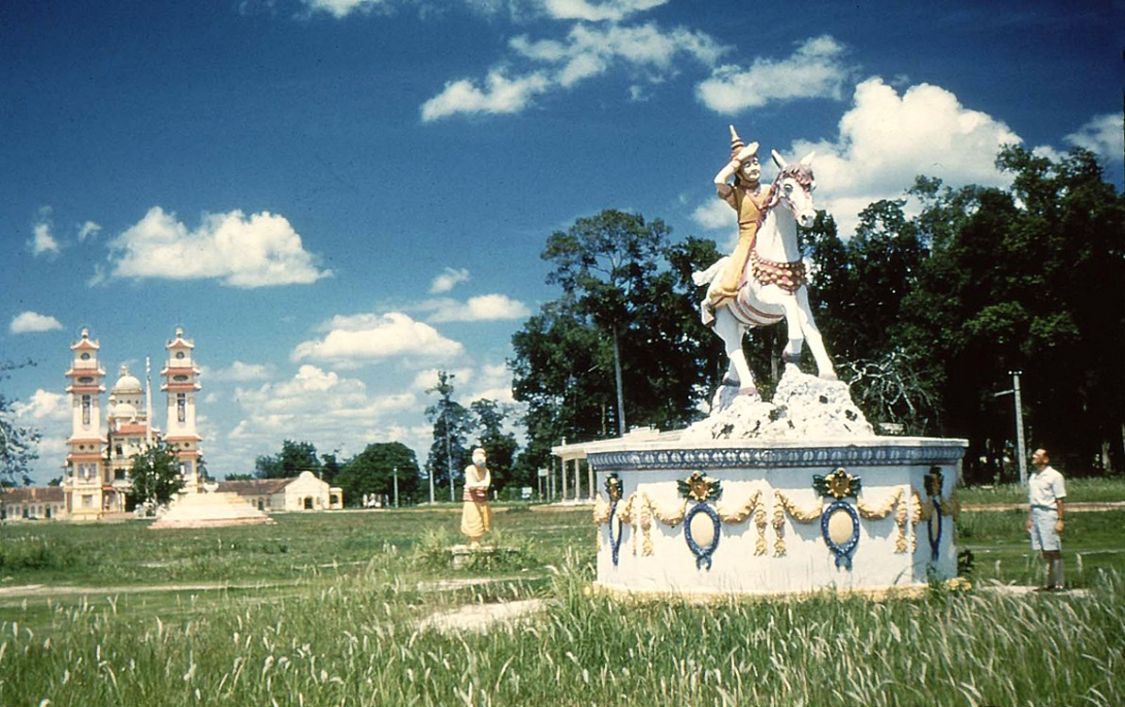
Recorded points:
(617,379)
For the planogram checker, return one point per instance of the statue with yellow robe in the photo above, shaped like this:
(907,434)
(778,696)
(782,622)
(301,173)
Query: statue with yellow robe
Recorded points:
(476,516)
(749,200)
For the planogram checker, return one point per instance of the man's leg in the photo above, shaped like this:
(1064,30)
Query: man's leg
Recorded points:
(1055,576)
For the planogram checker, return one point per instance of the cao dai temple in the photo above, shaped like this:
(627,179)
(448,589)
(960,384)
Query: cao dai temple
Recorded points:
(105,438)
(99,456)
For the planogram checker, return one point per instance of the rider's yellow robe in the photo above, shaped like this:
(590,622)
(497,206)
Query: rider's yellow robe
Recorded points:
(750,205)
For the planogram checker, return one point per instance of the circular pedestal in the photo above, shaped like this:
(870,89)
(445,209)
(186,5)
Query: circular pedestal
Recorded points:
(762,518)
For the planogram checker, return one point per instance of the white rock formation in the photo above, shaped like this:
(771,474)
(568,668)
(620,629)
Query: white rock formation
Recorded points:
(804,407)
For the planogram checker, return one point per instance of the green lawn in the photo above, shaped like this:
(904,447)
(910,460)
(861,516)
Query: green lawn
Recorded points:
(324,610)
(1098,490)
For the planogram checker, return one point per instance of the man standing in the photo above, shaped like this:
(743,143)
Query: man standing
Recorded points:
(1046,493)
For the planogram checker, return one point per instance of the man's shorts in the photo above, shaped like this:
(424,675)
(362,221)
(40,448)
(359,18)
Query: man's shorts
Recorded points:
(1044,537)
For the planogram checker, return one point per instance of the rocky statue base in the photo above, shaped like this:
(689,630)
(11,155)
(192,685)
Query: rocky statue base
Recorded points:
(795,495)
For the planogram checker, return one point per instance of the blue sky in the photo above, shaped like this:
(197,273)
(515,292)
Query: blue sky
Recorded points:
(337,198)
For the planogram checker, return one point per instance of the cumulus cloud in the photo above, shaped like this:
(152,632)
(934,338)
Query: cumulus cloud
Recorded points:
(608,10)
(814,70)
(586,52)
(342,8)
(330,410)
(261,250)
(42,240)
(1101,135)
(499,95)
(43,405)
(448,279)
(239,372)
(494,307)
(494,382)
(88,230)
(33,322)
(366,338)
(886,139)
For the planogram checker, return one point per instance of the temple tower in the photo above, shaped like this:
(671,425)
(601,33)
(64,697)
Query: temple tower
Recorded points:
(85,468)
(180,383)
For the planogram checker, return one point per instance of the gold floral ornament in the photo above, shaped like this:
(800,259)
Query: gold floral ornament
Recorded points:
(613,487)
(699,487)
(782,506)
(839,484)
(896,499)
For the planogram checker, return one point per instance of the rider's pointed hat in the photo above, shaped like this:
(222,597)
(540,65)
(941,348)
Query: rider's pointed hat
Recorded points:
(736,143)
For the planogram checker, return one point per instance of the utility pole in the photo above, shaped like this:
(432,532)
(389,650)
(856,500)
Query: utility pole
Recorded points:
(1021,452)
(1019,427)
(394,475)
(448,454)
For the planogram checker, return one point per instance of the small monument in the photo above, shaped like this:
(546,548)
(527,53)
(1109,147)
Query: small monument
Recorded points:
(793,495)
(203,507)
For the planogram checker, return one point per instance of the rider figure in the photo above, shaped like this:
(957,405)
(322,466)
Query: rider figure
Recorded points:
(747,197)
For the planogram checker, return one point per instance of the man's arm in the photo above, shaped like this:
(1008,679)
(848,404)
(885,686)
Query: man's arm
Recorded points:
(1060,506)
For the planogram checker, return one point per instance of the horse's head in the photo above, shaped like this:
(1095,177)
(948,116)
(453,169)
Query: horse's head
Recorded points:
(794,187)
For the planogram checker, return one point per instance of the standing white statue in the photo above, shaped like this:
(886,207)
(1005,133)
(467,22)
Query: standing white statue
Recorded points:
(476,516)
(765,280)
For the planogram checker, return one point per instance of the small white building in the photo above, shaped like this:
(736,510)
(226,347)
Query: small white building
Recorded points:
(33,503)
(304,492)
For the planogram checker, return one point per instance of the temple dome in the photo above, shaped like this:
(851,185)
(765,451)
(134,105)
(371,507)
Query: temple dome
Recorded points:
(126,384)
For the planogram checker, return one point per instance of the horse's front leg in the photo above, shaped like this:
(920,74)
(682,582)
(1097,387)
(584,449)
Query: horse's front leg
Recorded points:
(812,334)
(731,332)
(776,296)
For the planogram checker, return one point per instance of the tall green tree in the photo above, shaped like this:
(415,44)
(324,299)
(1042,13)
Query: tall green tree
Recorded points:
(489,418)
(449,454)
(17,443)
(293,458)
(155,475)
(374,469)
(604,262)
(622,343)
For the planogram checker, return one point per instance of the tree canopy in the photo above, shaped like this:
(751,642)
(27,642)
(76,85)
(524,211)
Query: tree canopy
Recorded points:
(155,475)
(17,443)
(293,458)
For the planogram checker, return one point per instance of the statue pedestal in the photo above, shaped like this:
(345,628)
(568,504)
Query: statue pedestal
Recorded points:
(461,555)
(773,530)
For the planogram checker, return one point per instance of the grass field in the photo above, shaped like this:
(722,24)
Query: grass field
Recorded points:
(324,609)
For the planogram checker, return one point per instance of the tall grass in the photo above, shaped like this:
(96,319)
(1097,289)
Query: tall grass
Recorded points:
(1092,490)
(358,641)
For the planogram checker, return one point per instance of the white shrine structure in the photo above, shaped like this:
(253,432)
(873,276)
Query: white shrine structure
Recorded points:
(99,455)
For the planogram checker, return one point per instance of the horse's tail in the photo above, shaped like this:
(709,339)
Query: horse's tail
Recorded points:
(704,277)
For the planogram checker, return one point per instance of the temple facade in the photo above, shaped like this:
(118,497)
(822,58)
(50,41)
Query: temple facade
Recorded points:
(104,440)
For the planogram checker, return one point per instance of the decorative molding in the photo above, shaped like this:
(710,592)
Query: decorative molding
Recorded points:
(764,457)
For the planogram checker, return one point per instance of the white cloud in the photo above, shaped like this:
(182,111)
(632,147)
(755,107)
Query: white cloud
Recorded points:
(88,230)
(494,307)
(43,405)
(42,241)
(239,372)
(885,140)
(342,8)
(322,407)
(427,379)
(586,52)
(815,70)
(1101,135)
(33,322)
(500,95)
(448,279)
(494,383)
(364,338)
(256,251)
(611,10)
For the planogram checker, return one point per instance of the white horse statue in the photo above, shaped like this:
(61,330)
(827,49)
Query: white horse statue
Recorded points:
(775,280)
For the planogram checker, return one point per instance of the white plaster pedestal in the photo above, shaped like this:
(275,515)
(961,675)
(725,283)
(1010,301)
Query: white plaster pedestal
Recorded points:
(901,534)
